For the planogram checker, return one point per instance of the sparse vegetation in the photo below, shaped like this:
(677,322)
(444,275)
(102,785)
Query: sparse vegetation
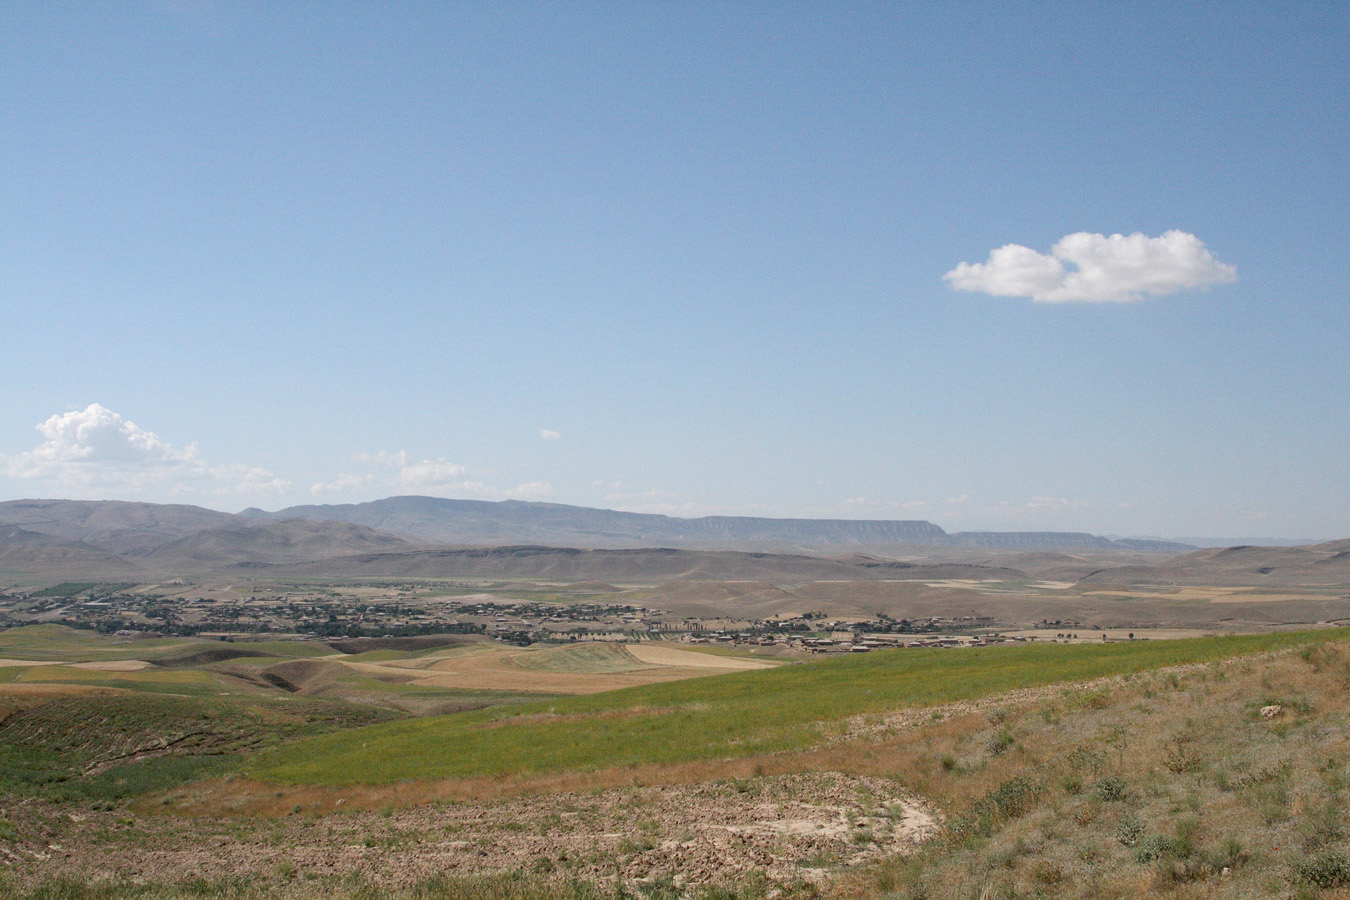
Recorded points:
(1049,787)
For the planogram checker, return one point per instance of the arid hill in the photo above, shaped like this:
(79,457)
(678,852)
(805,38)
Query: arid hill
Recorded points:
(111,525)
(261,542)
(637,565)
(30,553)
(1316,565)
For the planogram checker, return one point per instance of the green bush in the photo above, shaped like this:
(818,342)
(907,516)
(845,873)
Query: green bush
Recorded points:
(999,743)
(1155,846)
(1129,831)
(1010,800)
(1328,869)
(1111,788)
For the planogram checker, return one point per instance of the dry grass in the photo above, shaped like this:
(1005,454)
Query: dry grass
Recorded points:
(1174,784)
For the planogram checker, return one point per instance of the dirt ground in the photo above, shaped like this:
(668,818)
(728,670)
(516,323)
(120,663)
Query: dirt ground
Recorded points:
(498,668)
(787,827)
(665,655)
(118,665)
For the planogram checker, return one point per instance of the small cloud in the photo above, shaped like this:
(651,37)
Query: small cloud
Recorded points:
(399,471)
(863,507)
(95,449)
(532,490)
(344,483)
(665,503)
(1094,268)
(549,434)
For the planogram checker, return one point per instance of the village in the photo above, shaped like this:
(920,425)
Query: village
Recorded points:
(396,611)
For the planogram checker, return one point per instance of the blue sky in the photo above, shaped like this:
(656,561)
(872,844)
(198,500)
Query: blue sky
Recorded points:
(685,258)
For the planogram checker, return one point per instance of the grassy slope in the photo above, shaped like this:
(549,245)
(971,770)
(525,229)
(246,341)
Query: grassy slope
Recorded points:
(733,715)
(46,747)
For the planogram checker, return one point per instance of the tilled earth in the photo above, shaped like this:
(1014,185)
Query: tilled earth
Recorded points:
(785,827)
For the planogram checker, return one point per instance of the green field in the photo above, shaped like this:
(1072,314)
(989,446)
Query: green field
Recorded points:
(60,642)
(734,715)
(587,657)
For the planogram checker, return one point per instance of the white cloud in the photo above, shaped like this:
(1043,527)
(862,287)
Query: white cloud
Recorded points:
(531,490)
(872,508)
(96,449)
(1094,268)
(1037,513)
(659,502)
(549,434)
(399,471)
(344,483)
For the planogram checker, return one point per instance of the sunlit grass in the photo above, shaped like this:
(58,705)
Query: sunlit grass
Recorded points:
(727,716)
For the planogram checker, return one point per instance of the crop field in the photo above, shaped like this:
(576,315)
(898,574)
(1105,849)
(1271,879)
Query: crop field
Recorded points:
(591,657)
(417,680)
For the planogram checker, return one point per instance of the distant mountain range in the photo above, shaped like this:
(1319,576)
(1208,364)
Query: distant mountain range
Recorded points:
(513,521)
(423,537)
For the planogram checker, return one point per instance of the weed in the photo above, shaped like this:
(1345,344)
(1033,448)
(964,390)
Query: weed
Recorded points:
(1129,830)
(1327,869)
(1322,824)
(1180,757)
(1228,855)
(1111,789)
(1153,847)
(1187,831)
(1087,759)
(1000,742)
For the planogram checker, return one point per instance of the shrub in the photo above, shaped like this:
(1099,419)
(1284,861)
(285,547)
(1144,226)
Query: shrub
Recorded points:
(1322,825)
(1087,759)
(1111,789)
(1000,742)
(1180,759)
(1187,831)
(1229,855)
(1155,846)
(1129,830)
(1328,869)
(1010,800)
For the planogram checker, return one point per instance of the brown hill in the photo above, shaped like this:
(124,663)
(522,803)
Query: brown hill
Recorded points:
(110,525)
(1317,565)
(628,566)
(30,554)
(266,543)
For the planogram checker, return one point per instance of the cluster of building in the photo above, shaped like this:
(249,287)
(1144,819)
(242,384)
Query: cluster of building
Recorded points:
(339,612)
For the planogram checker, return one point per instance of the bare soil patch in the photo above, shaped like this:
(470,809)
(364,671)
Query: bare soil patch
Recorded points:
(664,655)
(788,827)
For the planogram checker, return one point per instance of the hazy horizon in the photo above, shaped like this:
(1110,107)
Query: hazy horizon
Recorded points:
(1197,541)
